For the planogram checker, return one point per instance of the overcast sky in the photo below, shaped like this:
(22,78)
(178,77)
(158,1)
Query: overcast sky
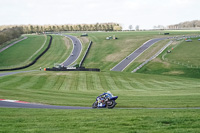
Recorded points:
(145,13)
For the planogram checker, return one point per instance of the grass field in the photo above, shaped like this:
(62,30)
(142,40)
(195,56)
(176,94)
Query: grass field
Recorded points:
(105,54)
(150,87)
(81,89)
(20,53)
(9,42)
(183,61)
(92,121)
(60,50)
(146,55)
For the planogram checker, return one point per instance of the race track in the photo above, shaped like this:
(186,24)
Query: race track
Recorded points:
(75,53)
(21,104)
(125,62)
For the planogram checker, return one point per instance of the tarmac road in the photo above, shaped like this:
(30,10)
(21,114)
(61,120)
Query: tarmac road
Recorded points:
(75,52)
(5,104)
(11,73)
(1,50)
(125,62)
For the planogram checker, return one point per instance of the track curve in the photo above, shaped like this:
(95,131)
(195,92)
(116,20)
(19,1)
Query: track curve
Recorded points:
(77,49)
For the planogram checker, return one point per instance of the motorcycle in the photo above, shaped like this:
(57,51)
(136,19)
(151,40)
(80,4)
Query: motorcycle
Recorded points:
(105,100)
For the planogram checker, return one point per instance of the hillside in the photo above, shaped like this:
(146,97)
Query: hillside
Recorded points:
(149,100)
(182,61)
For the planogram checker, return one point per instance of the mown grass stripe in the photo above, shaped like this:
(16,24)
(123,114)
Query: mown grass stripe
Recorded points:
(103,81)
(89,81)
(96,81)
(14,82)
(82,81)
(28,83)
(74,83)
(124,83)
(111,82)
(65,83)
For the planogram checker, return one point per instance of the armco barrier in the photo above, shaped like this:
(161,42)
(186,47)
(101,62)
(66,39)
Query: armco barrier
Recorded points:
(33,62)
(74,69)
(83,59)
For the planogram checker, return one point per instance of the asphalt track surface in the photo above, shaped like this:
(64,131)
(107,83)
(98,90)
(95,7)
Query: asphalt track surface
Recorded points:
(11,73)
(1,50)
(77,48)
(4,104)
(125,62)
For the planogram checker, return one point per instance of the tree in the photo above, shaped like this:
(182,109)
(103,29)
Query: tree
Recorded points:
(117,28)
(137,28)
(130,27)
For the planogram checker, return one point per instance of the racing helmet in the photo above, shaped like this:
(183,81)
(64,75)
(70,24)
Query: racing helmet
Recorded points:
(109,92)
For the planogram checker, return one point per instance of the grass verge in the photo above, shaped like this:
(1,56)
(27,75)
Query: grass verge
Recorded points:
(96,120)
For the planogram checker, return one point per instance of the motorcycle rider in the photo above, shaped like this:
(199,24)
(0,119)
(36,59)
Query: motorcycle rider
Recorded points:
(105,100)
(106,95)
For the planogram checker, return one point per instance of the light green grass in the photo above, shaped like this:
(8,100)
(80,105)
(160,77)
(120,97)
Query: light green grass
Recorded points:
(9,42)
(99,120)
(146,55)
(105,54)
(183,61)
(186,53)
(81,89)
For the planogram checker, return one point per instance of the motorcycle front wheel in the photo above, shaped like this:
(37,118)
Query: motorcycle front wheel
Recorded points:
(111,104)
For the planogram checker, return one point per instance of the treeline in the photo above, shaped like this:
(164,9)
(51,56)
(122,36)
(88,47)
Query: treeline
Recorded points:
(69,27)
(7,34)
(187,24)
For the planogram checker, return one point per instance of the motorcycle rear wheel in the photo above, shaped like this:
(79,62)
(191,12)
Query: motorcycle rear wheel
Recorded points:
(94,105)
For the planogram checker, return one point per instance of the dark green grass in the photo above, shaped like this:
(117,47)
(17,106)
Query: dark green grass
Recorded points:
(99,120)
(19,54)
(58,52)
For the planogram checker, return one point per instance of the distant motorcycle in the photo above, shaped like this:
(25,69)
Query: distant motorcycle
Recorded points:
(105,100)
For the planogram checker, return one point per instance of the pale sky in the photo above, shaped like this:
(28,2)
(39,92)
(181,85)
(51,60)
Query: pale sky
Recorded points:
(145,13)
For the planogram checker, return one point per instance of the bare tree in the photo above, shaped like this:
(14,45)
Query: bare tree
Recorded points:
(137,28)
(130,27)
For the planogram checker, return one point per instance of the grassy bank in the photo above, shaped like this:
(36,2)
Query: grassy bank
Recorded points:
(154,89)
(182,61)
(44,120)
(21,53)
(81,89)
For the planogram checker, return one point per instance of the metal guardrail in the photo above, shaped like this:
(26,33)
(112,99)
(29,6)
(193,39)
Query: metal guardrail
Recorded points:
(33,62)
(153,57)
(83,59)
